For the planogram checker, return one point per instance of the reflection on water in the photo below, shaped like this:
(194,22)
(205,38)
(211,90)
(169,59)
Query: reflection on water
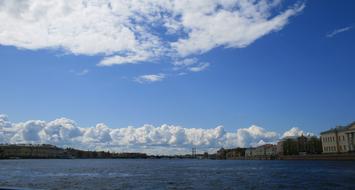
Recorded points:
(176,174)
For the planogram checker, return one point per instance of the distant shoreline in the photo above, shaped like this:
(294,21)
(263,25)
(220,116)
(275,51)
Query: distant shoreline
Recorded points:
(29,151)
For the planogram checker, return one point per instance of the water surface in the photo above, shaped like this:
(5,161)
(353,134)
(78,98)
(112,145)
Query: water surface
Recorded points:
(176,174)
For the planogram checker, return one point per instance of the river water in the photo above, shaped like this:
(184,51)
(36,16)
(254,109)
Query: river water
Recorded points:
(176,174)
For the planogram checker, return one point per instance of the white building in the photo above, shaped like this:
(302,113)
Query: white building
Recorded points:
(339,140)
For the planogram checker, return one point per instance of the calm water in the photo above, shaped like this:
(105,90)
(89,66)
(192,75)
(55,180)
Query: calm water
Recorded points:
(176,174)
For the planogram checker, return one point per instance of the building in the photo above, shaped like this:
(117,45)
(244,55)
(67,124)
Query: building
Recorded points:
(221,154)
(235,154)
(299,145)
(279,148)
(339,140)
(263,152)
(230,154)
(249,153)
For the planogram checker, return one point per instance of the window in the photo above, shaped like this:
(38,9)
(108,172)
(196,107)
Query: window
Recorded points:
(343,138)
(345,147)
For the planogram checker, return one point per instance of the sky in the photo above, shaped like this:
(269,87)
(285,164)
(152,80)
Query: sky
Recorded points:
(164,76)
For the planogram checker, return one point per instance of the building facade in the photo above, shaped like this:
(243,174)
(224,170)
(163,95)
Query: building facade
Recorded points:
(339,140)
(249,153)
(263,152)
(230,154)
(299,145)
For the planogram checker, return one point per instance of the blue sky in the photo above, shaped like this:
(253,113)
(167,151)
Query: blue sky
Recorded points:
(300,74)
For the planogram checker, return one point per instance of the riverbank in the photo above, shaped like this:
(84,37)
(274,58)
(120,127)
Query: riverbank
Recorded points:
(347,156)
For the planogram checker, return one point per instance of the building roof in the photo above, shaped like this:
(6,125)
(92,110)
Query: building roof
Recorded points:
(340,128)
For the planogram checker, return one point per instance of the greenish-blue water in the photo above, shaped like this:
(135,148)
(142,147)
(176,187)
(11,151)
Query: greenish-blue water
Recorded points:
(176,174)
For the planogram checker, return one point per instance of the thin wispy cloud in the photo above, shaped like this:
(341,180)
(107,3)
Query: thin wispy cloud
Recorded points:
(190,64)
(338,31)
(164,139)
(83,72)
(80,73)
(200,67)
(128,32)
(150,78)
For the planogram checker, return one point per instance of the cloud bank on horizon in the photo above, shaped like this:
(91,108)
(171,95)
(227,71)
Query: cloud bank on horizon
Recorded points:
(127,32)
(166,139)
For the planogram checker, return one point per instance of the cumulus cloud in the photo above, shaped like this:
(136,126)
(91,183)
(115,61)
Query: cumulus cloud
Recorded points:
(295,131)
(150,78)
(164,139)
(337,31)
(135,31)
(254,135)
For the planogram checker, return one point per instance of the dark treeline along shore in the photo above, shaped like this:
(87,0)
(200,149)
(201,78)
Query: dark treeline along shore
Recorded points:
(46,151)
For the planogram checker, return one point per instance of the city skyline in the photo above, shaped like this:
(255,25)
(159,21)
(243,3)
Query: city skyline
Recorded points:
(168,75)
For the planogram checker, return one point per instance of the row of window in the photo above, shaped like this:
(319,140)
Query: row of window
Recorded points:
(329,149)
(332,139)
(344,148)
(328,139)
(333,148)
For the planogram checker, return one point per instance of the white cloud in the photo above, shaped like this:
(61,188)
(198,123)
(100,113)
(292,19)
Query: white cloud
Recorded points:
(236,24)
(251,136)
(164,139)
(150,78)
(119,60)
(295,131)
(199,67)
(185,62)
(138,31)
(190,64)
(337,31)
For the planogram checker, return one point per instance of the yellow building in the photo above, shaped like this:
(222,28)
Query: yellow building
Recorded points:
(339,140)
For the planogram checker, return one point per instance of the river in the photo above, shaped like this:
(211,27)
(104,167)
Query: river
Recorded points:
(176,174)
